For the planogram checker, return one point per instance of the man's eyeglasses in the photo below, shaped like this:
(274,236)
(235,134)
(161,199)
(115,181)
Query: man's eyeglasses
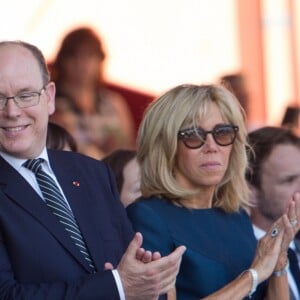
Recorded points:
(23,100)
(223,135)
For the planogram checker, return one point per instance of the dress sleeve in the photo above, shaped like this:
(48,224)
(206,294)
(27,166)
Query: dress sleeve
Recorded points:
(156,234)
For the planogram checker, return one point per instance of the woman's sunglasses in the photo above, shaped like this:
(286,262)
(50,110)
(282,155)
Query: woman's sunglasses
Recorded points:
(223,135)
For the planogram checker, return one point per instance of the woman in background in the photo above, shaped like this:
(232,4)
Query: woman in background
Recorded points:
(98,118)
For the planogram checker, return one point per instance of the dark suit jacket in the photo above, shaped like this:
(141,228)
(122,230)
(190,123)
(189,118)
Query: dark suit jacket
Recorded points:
(38,260)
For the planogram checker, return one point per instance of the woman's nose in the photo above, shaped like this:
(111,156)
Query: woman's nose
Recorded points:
(210,143)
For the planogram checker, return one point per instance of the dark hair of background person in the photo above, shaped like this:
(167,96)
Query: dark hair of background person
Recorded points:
(83,37)
(117,160)
(58,138)
(291,117)
(235,82)
(263,141)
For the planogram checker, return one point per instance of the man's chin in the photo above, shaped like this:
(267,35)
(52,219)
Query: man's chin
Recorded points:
(19,151)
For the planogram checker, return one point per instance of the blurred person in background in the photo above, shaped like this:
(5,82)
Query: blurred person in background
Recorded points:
(98,118)
(58,138)
(125,167)
(273,178)
(236,83)
(290,118)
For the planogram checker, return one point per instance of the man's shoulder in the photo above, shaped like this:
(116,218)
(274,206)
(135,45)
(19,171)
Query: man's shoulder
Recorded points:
(69,159)
(71,156)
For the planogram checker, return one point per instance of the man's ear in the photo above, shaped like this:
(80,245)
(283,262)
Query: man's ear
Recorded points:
(50,91)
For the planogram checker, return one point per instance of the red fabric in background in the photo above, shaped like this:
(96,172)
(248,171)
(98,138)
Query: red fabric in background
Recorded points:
(136,100)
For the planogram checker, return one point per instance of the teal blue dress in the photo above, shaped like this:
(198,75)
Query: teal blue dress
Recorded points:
(220,246)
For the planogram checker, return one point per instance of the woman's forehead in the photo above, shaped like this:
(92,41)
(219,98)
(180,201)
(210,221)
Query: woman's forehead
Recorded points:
(199,115)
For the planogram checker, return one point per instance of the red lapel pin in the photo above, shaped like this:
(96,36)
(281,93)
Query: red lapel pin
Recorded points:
(76,183)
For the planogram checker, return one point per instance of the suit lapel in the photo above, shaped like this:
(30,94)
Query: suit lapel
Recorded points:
(17,189)
(74,186)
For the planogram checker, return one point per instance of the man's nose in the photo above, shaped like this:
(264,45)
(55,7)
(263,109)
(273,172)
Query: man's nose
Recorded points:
(11,108)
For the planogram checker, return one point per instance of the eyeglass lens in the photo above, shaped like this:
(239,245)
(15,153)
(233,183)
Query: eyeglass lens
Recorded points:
(23,100)
(223,135)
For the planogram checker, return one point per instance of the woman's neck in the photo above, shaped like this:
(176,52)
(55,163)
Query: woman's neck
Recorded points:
(202,200)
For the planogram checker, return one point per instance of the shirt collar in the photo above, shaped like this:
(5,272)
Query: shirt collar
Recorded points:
(17,163)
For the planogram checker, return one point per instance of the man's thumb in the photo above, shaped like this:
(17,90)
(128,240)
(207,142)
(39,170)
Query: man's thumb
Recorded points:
(135,244)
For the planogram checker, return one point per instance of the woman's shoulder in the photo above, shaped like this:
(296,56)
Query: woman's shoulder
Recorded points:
(151,206)
(151,202)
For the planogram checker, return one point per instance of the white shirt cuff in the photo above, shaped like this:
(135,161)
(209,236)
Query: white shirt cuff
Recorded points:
(119,284)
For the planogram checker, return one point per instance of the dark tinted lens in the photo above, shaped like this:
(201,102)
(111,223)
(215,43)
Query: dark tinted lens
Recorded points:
(224,135)
(195,138)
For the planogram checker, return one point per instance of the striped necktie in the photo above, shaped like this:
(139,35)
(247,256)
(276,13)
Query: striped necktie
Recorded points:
(57,204)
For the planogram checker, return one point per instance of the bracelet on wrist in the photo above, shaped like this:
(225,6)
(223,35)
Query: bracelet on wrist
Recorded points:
(254,283)
(282,271)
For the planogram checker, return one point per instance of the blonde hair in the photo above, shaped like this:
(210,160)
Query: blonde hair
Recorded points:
(157,142)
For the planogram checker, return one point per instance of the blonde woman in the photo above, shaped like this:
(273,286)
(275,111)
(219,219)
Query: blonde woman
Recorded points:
(192,154)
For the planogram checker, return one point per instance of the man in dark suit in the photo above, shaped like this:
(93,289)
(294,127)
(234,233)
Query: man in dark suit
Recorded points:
(273,177)
(41,256)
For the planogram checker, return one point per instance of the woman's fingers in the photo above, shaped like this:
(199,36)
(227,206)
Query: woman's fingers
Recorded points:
(268,250)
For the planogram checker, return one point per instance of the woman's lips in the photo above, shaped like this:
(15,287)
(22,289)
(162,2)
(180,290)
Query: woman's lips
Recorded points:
(211,165)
